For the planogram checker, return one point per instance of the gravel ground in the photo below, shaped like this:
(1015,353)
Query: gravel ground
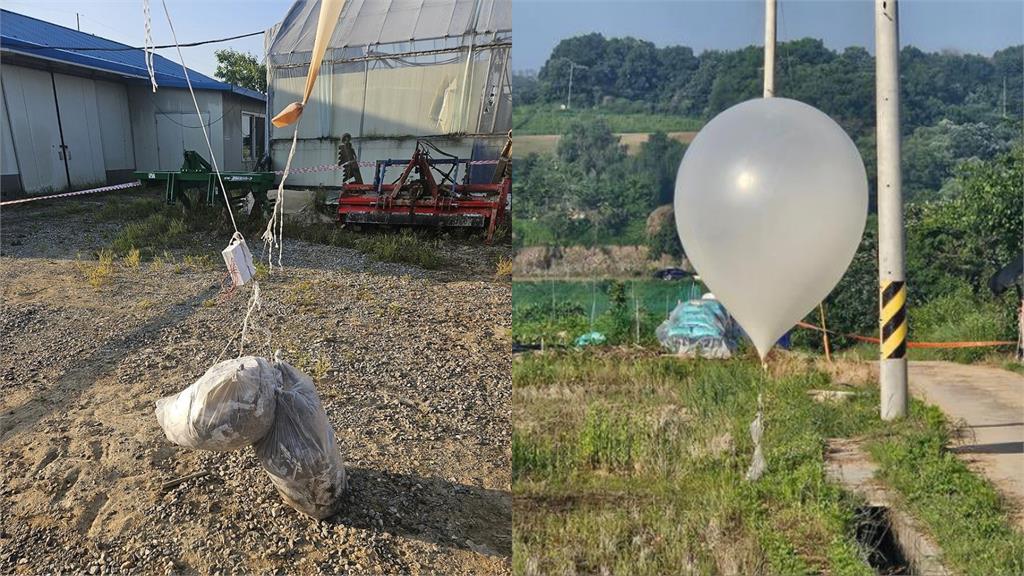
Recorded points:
(413,368)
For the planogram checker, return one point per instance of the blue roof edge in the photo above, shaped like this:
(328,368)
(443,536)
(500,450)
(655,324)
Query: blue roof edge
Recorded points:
(93,58)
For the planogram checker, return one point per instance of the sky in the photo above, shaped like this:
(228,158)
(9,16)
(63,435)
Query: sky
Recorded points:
(978,26)
(122,21)
(974,26)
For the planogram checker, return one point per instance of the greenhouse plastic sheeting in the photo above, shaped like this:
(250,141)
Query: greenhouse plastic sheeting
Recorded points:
(369,22)
(394,71)
(699,328)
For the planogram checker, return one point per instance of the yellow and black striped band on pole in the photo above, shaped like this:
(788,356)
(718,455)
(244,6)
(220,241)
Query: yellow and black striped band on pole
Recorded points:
(894,319)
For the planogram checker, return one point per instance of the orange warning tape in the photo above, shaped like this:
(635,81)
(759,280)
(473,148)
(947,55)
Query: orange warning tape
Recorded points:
(915,344)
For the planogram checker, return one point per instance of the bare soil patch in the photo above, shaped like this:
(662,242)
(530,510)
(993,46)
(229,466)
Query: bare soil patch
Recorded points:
(413,368)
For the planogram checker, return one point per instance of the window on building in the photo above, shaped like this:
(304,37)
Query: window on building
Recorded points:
(253,136)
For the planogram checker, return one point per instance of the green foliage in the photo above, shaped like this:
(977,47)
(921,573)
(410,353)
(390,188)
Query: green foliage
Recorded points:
(660,157)
(621,117)
(559,312)
(591,147)
(665,241)
(931,155)
(405,248)
(973,234)
(592,192)
(673,80)
(954,245)
(241,69)
(634,465)
(962,316)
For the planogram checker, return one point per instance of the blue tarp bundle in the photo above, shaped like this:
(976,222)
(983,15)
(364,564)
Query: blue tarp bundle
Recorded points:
(590,339)
(699,328)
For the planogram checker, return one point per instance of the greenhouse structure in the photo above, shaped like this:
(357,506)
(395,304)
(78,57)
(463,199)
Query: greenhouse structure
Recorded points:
(395,71)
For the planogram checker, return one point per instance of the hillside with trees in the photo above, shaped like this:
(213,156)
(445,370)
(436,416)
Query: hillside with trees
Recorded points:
(956,108)
(963,161)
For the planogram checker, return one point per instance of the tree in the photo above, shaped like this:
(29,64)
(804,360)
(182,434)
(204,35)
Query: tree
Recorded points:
(241,69)
(591,145)
(660,157)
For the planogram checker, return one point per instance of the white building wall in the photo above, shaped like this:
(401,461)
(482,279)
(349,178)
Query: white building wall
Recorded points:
(383,108)
(115,130)
(80,126)
(173,111)
(10,180)
(109,129)
(34,129)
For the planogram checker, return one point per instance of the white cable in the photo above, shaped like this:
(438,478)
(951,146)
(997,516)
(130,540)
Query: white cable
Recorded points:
(270,237)
(206,136)
(254,304)
(254,300)
(148,44)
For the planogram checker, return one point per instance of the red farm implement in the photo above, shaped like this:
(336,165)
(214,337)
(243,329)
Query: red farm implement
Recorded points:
(432,190)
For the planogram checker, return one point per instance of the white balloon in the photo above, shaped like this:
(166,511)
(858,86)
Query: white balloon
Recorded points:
(771,200)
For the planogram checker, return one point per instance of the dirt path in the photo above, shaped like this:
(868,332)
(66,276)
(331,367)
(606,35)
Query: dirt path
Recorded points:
(990,402)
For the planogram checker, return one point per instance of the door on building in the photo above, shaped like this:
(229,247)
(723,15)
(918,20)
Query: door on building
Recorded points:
(35,129)
(80,128)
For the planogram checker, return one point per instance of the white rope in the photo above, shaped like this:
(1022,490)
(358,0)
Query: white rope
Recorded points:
(254,305)
(147,45)
(272,238)
(206,136)
(255,302)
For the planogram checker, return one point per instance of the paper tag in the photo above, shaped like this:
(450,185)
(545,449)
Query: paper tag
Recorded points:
(239,261)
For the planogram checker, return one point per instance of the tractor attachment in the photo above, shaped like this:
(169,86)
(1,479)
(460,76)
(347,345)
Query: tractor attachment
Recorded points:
(197,174)
(428,192)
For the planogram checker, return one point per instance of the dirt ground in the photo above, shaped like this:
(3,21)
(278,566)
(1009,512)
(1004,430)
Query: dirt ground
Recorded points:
(413,368)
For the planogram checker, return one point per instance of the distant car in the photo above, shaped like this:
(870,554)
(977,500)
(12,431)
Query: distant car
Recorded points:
(672,274)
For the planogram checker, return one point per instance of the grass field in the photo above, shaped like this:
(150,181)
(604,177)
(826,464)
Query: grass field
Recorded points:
(654,296)
(538,119)
(628,463)
(548,143)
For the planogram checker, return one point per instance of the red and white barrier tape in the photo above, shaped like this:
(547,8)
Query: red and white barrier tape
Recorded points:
(76,193)
(869,339)
(311,169)
(364,164)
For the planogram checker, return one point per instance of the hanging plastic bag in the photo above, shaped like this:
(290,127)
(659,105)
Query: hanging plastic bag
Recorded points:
(231,406)
(300,452)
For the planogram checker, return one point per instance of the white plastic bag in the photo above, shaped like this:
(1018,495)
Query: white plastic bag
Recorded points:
(229,407)
(300,452)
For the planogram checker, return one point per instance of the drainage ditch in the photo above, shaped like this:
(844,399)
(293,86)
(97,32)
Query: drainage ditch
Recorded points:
(877,538)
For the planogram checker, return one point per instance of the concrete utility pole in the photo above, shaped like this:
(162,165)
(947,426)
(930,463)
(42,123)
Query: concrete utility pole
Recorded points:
(572,66)
(891,238)
(769,48)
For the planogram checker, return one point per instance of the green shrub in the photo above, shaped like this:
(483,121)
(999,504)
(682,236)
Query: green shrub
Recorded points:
(961,316)
(406,247)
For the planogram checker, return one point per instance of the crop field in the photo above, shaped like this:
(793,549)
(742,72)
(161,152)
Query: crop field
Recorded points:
(624,462)
(540,119)
(654,296)
(633,141)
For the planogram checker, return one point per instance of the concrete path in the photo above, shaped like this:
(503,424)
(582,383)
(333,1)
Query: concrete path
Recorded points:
(990,402)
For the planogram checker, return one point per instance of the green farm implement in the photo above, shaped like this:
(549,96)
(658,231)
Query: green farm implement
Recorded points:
(196,175)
